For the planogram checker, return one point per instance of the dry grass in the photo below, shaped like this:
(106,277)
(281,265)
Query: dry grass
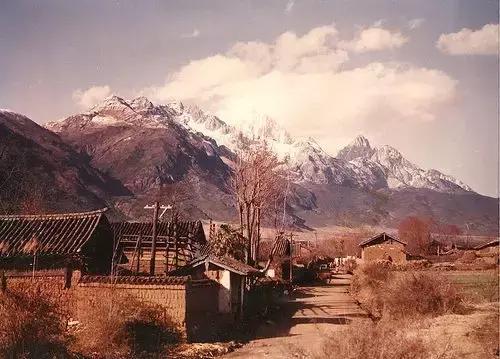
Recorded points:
(31,325)
(401,295)
(121,326)
(383,340)
(415,294)
(488,334)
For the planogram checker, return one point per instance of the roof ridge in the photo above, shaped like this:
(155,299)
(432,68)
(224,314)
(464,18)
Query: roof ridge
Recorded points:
(56,215)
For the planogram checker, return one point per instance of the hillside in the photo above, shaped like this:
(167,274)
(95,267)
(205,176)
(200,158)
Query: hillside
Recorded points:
(182,154)
(40,172)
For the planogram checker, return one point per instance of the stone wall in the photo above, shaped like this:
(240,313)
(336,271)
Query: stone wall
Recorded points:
(384,251)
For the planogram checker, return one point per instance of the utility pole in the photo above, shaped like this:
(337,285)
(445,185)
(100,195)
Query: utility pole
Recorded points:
(291,258)
(156,210)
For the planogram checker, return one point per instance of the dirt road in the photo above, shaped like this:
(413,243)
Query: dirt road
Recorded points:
(307,318)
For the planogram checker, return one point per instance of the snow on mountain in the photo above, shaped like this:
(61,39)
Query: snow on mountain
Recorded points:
(356,165)
(398,171)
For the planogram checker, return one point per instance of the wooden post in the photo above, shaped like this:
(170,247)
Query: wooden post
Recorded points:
(176,249)
(153,244)
(291,258)
(137,252)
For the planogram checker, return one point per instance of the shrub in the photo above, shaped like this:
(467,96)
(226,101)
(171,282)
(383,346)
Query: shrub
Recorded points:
(375,341)
(120,325)
(420,294)
(367,284)
(31,324)
(383,292)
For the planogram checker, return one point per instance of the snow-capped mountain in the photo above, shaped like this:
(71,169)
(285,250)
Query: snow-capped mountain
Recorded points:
(358,164)
(398,171)
(145,146)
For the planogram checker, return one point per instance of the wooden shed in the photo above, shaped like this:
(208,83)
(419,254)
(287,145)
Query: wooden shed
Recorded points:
(383,247)
(177,243)
(82,241)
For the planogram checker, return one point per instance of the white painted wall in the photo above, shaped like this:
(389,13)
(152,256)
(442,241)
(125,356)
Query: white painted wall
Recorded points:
(225,292)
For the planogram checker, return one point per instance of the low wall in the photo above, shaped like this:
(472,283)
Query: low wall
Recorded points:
(186,302)
(169,293)
(192,305)
(55,282)
(203,320)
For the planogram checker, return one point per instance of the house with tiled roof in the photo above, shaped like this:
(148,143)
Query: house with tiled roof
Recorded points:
(229,273)
(82,241)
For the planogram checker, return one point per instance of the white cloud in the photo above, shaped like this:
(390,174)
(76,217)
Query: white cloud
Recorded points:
(374,39)
(469,42)
(289,6)
(379,23)
(195,33)
(301,82)
(91,96)
(415,23)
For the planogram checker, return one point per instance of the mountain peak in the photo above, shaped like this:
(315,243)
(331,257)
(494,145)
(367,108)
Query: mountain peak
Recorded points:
(141,103)
(111,102)
(360,141)
(359,147)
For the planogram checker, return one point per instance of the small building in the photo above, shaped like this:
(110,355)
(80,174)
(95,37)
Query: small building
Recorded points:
(73,241)
(383,247)
(177,243)
(228,272)
(489,247)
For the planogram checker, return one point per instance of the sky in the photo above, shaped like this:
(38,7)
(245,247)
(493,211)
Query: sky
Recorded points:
(421,76)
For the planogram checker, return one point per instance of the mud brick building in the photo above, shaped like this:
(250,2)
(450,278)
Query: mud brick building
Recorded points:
(383,247)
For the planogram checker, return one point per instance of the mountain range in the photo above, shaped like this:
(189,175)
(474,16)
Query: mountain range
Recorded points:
(191,153)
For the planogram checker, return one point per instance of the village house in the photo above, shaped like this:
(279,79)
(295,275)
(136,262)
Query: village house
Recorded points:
(177,243)
(383,247)
(489,247)
(56,242)
(229,273)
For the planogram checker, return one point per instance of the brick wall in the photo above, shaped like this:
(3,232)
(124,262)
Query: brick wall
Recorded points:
(383,251)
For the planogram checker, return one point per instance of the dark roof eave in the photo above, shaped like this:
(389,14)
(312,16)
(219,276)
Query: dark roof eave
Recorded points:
(371,239)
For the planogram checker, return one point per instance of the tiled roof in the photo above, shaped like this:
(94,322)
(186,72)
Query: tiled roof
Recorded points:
(225,262)
(181,229)
(47,234)
(158,280)
(381,237)
(492,243)
(281,247)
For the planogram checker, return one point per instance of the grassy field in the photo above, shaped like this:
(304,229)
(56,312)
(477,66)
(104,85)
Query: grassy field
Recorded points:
(476,285)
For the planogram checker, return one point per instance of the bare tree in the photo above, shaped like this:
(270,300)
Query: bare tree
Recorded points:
(416,232)
(258,183)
